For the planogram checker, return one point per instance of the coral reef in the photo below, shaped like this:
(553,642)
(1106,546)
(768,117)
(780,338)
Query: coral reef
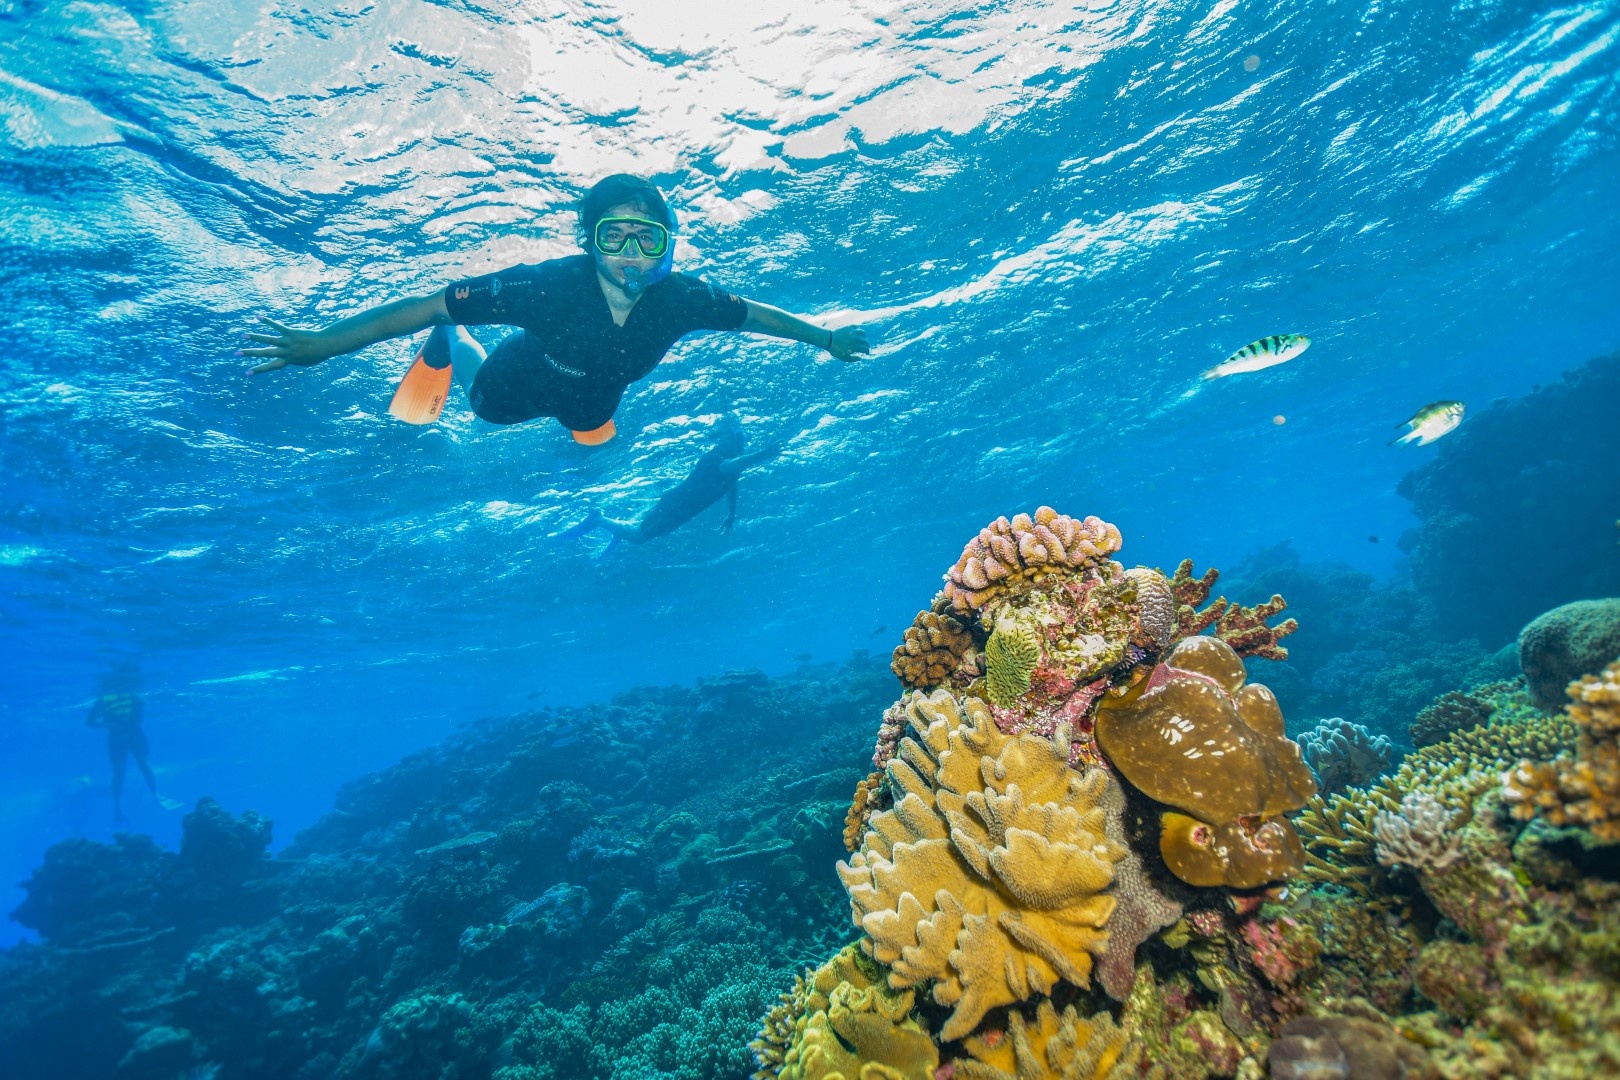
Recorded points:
(1582,789)
(1562,645)
(987,876)
(1243,628)
(868,795)
(1343,755)
(1317,1047)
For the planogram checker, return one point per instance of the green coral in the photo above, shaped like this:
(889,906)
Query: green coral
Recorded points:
(1010,658)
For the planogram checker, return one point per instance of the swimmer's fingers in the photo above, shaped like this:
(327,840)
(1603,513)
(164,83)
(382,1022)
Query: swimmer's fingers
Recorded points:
(284,331)
(270,365)
(848,342)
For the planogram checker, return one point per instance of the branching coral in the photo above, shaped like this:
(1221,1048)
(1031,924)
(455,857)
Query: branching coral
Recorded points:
(1243,628)
(840,1020)
(1343,754)
(988,875)
(1419,835)
(1584,788)
(933,648)
(1026,549)
(1052,1046)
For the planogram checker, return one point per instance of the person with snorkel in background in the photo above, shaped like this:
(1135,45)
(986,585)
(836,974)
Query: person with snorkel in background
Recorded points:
(589,325)
(119,710)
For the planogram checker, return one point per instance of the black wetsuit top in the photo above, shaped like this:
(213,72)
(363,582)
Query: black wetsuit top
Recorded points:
(571,360)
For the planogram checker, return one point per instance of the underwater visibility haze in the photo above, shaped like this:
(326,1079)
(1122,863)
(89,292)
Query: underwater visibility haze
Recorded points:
(1321,294)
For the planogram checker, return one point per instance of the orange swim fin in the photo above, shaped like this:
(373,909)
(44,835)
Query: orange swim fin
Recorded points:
(595,436)
(422,392)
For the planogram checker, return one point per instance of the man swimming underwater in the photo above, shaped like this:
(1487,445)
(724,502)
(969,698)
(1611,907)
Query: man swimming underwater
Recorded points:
(589,325)
(714,475)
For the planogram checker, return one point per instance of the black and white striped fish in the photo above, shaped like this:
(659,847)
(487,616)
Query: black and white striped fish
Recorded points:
(1258,355)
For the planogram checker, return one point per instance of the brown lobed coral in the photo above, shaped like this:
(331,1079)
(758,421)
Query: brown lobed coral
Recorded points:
(1025,548)
(987,878)
(1582,789)
(1455,710)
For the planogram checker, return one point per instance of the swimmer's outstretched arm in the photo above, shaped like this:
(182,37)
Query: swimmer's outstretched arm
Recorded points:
(844,343)
(397,318)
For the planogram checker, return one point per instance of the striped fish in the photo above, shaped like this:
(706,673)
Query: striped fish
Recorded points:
(1257,355)
(1431,422)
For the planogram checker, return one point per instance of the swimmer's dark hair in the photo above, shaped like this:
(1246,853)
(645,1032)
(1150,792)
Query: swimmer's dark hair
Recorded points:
(622,189)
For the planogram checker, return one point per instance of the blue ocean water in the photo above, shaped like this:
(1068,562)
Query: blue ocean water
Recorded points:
(1050,217)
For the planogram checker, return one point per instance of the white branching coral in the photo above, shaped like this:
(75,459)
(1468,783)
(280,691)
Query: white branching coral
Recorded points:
(1419,836)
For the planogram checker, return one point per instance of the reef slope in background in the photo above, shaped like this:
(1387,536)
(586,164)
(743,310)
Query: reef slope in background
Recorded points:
(624,890)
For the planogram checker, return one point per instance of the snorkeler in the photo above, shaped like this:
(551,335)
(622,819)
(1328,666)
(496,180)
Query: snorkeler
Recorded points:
(714,475)
(118,709)
(589,325)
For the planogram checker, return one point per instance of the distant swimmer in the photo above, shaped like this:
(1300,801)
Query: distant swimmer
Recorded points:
(118,709)
(713,477)
(588,325)
(1259,355)
(1433,421)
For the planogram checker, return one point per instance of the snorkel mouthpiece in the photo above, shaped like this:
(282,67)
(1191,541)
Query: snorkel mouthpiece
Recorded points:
(637,280)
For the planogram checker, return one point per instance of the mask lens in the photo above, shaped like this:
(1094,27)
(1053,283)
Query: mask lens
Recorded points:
(614,236)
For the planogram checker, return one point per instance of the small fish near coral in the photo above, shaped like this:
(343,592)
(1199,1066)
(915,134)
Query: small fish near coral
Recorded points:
(1259,355)
(1433,421)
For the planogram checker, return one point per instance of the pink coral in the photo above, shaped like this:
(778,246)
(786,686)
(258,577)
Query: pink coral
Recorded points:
(1006,551)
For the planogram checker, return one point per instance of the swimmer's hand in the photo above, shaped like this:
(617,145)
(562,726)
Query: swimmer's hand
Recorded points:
(287,345)
(847,342)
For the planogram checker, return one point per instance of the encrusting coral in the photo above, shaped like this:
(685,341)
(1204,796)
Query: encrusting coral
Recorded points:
(842,1021)
(1582,789)
(988,875)
(1050,1047)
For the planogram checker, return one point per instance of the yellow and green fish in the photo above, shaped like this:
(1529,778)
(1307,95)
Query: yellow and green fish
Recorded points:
(1431,422)
(1258,355)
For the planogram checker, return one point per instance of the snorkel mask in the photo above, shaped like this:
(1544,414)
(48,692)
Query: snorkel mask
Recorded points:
(650,240)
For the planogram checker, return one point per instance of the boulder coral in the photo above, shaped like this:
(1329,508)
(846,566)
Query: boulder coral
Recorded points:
(1566,643)
(988,876)
(1580,789)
